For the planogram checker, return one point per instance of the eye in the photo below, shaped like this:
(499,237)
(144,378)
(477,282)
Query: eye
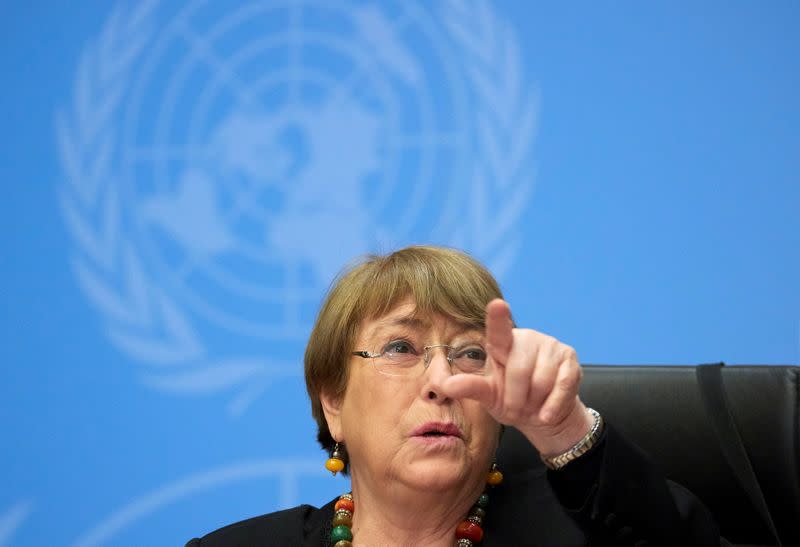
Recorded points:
(470,360)
(399,347)
(472,353)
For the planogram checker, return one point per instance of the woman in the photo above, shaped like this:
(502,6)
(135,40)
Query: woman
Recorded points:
(413,368)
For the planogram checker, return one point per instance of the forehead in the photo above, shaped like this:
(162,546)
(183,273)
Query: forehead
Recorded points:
(405,316)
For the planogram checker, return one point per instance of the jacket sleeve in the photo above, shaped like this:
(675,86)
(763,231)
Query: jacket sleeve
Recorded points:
(617,496)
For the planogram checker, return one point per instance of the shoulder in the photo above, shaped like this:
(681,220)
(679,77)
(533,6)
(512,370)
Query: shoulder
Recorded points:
(296,526)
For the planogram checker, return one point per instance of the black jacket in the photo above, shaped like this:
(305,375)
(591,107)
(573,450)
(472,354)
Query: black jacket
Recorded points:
(612,495)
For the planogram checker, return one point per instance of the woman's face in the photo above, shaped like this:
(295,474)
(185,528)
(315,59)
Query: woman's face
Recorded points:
(401,428)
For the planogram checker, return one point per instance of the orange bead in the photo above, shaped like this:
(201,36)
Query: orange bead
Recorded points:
(346,504)
(469,530)
(494,478)
(334,465)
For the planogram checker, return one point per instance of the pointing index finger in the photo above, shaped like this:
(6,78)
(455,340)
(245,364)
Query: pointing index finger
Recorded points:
(499,335)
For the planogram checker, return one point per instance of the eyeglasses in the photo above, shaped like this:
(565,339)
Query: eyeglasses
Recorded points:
(400,358)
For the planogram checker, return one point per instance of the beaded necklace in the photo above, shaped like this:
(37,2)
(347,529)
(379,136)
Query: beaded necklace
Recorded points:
(468,533)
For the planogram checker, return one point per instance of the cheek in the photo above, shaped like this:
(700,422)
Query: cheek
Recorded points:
(374,409)
(485,430)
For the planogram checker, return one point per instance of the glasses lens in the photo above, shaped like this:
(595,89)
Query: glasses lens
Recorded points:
(469,360)
(398,358)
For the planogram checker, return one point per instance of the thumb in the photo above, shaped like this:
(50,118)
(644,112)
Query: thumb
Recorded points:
(469,386)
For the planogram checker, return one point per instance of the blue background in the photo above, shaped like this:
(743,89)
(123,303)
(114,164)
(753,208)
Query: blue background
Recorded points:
(660,226)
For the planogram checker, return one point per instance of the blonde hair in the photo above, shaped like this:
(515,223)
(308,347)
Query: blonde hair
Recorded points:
(440,280)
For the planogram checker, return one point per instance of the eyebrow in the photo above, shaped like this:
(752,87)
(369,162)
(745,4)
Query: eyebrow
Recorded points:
(402,321)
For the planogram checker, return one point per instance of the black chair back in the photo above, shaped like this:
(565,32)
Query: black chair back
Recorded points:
(666,412)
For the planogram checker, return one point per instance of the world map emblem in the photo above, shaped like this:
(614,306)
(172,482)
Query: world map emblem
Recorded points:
(223,161)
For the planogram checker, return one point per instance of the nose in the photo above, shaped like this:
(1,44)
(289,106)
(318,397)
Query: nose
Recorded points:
(437,370)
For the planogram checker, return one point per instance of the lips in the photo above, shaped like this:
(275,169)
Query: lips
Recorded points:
(437,429)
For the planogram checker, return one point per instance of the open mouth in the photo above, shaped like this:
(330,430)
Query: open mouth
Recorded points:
(433,430)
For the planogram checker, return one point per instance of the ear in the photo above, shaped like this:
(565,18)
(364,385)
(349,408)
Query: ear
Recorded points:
(332,407)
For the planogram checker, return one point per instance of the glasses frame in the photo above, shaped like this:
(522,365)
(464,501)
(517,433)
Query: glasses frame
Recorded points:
(426,358)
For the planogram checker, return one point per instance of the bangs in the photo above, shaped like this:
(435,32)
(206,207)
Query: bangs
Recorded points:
(440,281)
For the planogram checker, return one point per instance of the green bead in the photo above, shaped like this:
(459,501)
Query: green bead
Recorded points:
(340,533)
(483,501)
(478,512)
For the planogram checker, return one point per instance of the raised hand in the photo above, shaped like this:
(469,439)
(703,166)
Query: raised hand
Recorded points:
(531,383)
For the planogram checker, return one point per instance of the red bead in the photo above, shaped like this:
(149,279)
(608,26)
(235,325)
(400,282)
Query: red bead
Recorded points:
(346,504)
(469,530)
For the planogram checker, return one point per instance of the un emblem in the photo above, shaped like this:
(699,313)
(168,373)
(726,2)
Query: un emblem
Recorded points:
(221,163)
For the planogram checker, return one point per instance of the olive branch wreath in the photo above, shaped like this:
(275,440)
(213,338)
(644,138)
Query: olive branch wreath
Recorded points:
(505,131)
(141,318)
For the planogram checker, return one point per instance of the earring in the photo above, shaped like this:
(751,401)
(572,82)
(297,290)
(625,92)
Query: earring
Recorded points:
(494,477)
(335,462)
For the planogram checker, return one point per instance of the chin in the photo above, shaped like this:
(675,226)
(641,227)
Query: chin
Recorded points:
(437,474)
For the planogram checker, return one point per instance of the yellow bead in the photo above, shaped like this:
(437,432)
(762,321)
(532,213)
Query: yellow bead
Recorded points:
(343,518)
(334,465)
(494,478)
(343,543)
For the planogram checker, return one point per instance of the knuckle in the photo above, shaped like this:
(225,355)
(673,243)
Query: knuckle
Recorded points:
(568,353)
(564,383)
(548,416)
(532,337)
(569,380)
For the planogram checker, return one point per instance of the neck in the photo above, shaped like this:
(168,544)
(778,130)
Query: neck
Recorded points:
(402,516)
